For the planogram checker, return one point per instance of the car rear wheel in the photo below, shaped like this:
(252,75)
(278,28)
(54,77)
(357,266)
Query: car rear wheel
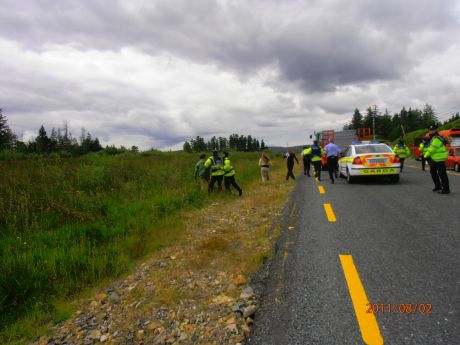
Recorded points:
(350,179)
(457,167)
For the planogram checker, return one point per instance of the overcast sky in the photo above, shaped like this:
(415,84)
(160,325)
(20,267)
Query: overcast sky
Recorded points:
(155,73)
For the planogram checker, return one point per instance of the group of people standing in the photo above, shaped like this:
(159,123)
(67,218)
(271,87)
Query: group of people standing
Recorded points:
(313,156)
(219,169)
(216,169)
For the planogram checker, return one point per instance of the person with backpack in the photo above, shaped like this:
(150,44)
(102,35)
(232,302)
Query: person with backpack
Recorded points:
(201,172)
(402,151)
(216,164)
(229,177)
(316,156)
(437,155)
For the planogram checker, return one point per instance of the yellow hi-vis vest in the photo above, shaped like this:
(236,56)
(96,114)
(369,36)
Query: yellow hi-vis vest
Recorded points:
(216,164)
(228,168)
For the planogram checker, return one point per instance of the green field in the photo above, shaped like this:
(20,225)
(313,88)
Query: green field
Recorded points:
(67,224)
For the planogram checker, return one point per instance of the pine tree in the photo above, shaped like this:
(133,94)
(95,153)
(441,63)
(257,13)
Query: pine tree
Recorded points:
(187,147)
(7,137)
(357,120)
(42,142)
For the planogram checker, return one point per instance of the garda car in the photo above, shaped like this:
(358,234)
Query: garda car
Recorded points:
(369,159)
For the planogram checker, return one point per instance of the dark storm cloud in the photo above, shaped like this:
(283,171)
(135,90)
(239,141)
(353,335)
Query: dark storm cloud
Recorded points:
(315,44)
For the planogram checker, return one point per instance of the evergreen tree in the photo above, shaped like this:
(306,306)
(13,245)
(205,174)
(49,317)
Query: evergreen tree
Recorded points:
(7,138)
(356,121)
(187,147)
(42,142)
(428,116)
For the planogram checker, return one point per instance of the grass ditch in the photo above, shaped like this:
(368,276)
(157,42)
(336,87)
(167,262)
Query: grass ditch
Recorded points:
(71,224)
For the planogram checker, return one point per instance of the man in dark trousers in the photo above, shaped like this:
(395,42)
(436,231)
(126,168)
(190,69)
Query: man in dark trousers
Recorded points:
(316,154)
(332,154)
(306,158)
(229,177)
(216,164)
(290,156)
(437,155)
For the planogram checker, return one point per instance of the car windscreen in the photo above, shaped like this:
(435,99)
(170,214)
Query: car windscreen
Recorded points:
(362,149)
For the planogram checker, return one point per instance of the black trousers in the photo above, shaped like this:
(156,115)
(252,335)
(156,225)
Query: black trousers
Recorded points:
(423,162)
(306,165)
(402,163)
(230,181)
(332,166)
(213,180)
(289,172)
(439,175)
(317,168)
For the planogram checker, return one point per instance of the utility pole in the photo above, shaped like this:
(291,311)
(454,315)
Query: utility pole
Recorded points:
(374,111)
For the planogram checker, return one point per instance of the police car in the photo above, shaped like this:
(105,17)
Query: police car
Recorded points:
(369,158)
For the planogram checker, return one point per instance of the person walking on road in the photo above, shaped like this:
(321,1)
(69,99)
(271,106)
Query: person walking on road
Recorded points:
(290,156)
(437,155)
(306,160)
(316,155)
(265,164)
(402,151)
(201,172)
(229,177)
(216,164)
(423,148)
(332,154)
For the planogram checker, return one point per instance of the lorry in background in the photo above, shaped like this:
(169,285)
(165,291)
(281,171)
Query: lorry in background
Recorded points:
(341,138)
(452,135)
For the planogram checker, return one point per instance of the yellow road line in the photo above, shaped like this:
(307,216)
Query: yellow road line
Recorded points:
(329,212)
(321,190)
(367,323)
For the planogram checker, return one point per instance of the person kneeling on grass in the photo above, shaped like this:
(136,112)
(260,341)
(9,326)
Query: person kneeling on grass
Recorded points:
(229,177)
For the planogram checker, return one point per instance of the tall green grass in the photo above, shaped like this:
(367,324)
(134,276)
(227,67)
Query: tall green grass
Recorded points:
(66,224)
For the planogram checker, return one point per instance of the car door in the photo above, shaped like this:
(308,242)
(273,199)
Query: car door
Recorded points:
(342,162)
(450,159)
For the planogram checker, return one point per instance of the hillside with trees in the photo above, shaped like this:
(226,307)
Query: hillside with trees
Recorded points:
(391,127)
(234,142)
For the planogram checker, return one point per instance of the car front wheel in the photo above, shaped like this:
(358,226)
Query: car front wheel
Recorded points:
(457,167)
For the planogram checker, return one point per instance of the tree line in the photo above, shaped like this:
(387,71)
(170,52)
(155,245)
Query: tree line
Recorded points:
(392,127)
(59,140)
(234,142)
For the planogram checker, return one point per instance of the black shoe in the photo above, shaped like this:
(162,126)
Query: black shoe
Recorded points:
(444,191)
(240,192)
(436,189)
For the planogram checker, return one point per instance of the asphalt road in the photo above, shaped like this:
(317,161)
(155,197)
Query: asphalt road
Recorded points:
(404,242)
